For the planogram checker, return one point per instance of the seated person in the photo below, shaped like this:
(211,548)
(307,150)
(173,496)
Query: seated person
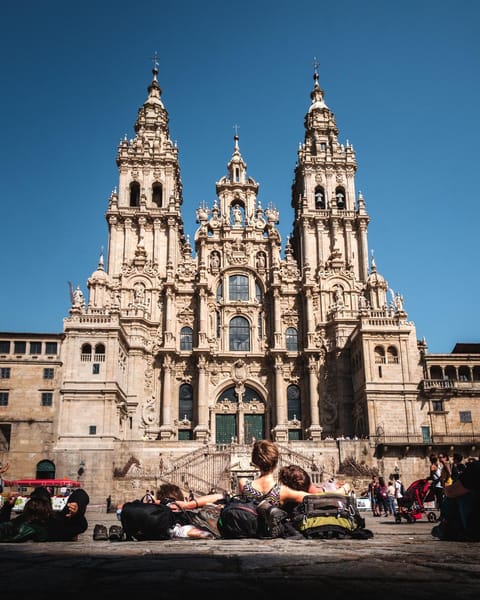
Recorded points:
(31,524)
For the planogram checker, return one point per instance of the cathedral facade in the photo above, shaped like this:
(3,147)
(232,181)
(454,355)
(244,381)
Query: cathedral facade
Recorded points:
(179,356)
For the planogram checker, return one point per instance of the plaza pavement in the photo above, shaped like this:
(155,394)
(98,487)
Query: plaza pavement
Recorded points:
(402,561)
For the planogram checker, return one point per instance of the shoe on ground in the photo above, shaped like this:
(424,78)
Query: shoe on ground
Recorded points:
(100,533)
(115,533)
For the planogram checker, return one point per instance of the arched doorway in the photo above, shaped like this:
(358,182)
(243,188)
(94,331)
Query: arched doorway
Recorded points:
(45,470)
(239,416)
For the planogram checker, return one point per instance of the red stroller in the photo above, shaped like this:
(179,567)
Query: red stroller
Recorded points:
(412,505)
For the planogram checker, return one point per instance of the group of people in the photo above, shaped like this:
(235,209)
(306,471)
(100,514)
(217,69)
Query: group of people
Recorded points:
(280,492)
(385,495)
(456,486)
(38,521)
(459,501)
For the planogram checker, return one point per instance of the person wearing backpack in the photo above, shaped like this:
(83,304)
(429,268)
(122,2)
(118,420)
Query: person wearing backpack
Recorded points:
(265,456)
(266,489)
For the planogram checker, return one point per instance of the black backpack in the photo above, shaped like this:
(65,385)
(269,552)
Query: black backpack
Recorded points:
(239,518)
(145,521)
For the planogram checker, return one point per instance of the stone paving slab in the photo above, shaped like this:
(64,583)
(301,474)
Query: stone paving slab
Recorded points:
(401,561)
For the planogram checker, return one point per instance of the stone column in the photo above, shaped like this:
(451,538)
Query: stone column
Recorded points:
(166,429)
(314,430)
(201,430)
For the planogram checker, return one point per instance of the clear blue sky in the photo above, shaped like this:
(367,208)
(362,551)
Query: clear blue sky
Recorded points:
(403,79)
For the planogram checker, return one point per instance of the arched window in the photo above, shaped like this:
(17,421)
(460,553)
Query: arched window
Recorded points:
(185,402)
(294,405)
(186,338)
(258,292)
(392,355)
(100,349)
(239,334)
(340,197)
(451,373)
(134,193)
(86,353)
(237,287)
(319,197)
(476,373)
(229,394)
(157,194)
(436,372)
(464,373)
(379,355)
(291,339)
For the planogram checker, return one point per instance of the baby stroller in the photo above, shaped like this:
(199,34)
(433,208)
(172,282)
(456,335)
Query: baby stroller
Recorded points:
(414,502)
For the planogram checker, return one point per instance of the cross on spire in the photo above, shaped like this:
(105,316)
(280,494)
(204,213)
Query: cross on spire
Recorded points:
(155,59)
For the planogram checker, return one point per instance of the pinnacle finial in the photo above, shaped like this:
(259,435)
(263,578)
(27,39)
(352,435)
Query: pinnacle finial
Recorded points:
(316,64)
(154,59)
(236,136)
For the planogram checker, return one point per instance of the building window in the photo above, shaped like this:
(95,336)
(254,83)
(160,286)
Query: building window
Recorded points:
(437,405)
(379,355)
(186,338)
(340,197)
(35,347)
(48,373)
(51,348)
(157,194)
(86,353)
(291,339)
(47,398)
(99,353)
(19,347)
(185,434)
(436,372)
(465,416)
(92,430)
(239,334)
(5,434)
(219,291)
(426,437)
(96,368)
(134,193)
(392,355)
(5,373)
(237,287)
(185,402)
(3,398)
(319,197)
(45,470)
(294,406)
(4,347)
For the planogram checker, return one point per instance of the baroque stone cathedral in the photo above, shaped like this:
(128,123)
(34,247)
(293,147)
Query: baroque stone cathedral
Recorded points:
(181,356)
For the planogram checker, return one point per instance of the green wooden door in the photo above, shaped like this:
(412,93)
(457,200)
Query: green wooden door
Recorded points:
(225,428)
(254,427)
